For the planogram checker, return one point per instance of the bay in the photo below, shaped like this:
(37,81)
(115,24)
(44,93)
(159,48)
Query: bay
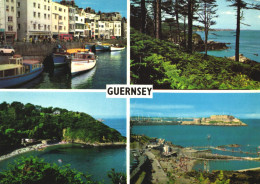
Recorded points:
(96,161)
(249,43)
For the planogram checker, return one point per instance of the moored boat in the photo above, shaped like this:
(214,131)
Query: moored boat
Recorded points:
(72,51)
(60,56)
(116,48)
(82,61)
(19,71)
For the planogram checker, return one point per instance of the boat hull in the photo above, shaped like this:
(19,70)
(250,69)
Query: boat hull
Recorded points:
(59,60)
(78,67)
(116,48)
(19,79)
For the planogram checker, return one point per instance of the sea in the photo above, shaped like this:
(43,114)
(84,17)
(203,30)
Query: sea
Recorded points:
(96,161)
(110,69)
(206,137)
(249,43)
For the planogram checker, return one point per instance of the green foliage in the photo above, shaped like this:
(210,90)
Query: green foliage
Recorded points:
(32,170)
(19,121)
(117,178)
(164,65)
(219,180)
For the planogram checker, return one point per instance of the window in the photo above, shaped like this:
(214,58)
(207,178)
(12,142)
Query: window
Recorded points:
(48,8)
(64,28)
(60,17)
(18,5)
(39,15)
(12,1)
(34,14)
(45,27)
(45,16)
(34,5)
(19,26)
(60,27)
(39,6)
(49,27)
(60,9)
(55,27)
(10,28)
(7,8)
(18,14)
(49,16)
(45,7)
(34,26)
(12,9)
(39,26)
(64,18)
(10,19)
(64,10)
(55,16)
(55,7)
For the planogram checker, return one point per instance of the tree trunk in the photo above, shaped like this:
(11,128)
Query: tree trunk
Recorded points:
(158,19)
(190,18)
(238,30)
(206,29)
(143,16)
(177,19)
(184,32)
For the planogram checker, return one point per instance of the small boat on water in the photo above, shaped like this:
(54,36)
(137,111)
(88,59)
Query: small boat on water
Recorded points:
(102,46)
(82,61)
(19,71)
(116,48)
(60,56)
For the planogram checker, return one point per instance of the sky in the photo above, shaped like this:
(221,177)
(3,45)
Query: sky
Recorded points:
(240,105)
(93,103)
(104,5)
(227,16)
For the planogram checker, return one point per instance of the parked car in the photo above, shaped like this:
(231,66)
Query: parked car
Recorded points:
(7,50)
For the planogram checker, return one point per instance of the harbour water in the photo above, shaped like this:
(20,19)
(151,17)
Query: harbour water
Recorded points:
(249,43)
(96,161)
(204,137)
(110,69)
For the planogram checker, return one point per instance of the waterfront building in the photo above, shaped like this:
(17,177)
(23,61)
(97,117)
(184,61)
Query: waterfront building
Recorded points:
(117,29)
(8,20)
(80,26)
(72,12)
(60,19)
(34,19)
(2,21)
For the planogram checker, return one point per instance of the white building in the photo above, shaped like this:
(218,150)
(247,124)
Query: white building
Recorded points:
(80,23)
(72,13)
(117,29)
(10,17)
(34,19)
(2,20)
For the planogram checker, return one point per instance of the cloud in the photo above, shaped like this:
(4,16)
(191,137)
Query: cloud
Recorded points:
(228,13)
(160,107)
(250,116)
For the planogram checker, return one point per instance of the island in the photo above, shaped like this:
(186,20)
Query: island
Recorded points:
(216,120)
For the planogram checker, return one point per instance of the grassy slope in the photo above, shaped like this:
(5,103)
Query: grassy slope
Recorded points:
(164,65)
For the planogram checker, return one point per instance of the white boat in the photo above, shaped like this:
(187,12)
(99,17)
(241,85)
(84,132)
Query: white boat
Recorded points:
(82,61)
(116,48)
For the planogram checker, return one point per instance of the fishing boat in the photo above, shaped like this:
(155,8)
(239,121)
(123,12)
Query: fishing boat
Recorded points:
(82,62)
(60,56)
(19,71)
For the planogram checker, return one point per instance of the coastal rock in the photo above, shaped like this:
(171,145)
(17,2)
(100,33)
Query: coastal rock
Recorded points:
(242,59)
(200,47)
